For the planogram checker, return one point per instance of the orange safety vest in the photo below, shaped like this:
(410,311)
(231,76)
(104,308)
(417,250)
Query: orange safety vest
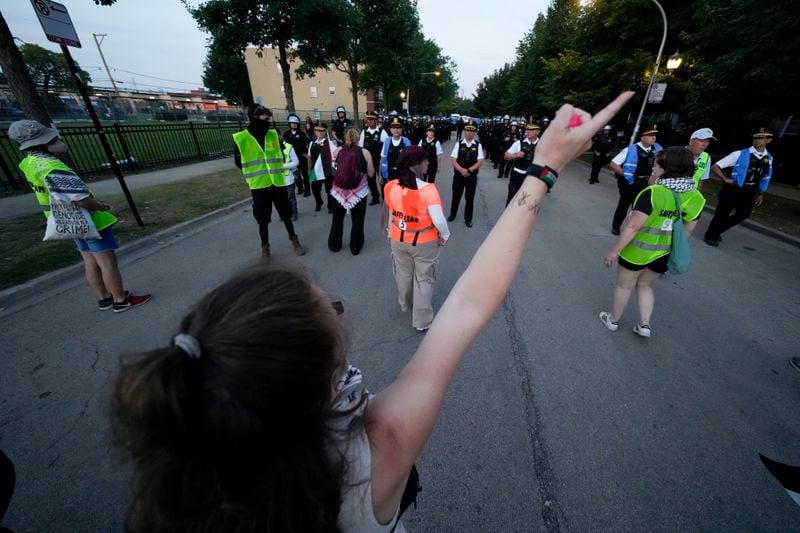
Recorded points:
(408,212)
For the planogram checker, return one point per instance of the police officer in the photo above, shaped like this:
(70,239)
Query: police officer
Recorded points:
(467,156)
(633,166)
(510,137)
(372,139)
(340,124)
(433,149)
(392,147)
(520,157)
(261,159)
(602,148)
(744,187)
(299,141)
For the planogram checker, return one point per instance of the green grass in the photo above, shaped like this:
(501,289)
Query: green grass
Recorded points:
(24,256)
(157,143)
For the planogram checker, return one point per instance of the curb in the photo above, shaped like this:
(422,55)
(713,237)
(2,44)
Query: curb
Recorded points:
(54,279)
(749,224)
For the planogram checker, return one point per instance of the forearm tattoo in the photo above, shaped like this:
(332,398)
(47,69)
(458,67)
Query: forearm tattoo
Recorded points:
(523,200)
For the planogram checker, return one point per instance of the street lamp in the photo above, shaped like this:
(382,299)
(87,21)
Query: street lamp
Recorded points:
(674,61)
(436,73)
(655,72)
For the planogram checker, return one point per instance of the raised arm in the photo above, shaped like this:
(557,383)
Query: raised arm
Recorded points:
(401,418)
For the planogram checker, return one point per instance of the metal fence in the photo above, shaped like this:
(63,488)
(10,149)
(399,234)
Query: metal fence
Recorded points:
(135,147)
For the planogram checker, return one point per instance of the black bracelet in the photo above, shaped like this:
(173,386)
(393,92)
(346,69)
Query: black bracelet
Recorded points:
(544,173)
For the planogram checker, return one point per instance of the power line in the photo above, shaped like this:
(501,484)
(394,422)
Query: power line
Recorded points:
(155,77)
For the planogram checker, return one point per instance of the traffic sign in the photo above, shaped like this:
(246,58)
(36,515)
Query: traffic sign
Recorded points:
(56,23)
(657,93)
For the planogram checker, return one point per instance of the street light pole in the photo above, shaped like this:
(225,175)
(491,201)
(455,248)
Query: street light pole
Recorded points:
(655,73)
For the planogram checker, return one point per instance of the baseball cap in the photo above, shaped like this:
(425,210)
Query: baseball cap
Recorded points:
(703,134)
(30,133)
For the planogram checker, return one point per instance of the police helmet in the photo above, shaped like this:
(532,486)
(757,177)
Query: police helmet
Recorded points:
(293,119)
(340,109)
(506,117)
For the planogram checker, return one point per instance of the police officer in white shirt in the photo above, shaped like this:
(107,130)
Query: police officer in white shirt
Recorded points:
(467,157)
(751,171)
(372,139)
(633,168)
(520,155)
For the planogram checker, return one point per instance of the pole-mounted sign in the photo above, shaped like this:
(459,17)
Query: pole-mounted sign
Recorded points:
(56,23)
(58,27)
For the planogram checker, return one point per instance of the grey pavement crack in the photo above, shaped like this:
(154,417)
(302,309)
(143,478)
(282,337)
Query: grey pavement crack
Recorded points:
(78,418)
(554,518)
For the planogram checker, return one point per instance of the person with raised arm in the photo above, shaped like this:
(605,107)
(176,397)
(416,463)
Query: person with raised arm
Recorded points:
(251,418)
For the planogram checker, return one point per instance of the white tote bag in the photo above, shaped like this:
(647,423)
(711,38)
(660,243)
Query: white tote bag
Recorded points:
(69,221)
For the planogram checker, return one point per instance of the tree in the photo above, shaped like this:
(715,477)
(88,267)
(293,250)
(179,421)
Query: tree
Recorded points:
(226,74)
(308,25)
(389,62)
(49,69)
(19,79)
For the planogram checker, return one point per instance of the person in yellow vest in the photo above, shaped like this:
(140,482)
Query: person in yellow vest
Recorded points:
(417,229)
(698,143)
(643,247)
(261,158)
(47,176)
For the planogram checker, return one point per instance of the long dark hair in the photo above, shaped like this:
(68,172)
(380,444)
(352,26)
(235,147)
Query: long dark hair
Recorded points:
(235,440)
(409,157)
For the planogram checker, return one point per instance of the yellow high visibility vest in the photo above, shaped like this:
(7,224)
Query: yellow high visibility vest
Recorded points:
(700,168)
(261,167)
(36,170)
(654,239)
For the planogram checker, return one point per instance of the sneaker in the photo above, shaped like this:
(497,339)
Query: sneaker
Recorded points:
(642,330)
(711,243)
(131,301)
(795,362)
(605,318)
(106,303)
(614,231)
(451,218)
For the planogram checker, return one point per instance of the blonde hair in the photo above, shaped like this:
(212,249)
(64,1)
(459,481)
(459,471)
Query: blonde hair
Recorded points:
(351,136)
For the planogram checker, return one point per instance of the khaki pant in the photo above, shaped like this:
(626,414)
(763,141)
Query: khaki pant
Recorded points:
(414,270)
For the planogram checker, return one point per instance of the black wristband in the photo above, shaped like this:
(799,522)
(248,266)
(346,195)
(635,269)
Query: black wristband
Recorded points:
(544,173)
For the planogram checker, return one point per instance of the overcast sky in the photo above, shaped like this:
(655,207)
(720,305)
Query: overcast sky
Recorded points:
(150,39)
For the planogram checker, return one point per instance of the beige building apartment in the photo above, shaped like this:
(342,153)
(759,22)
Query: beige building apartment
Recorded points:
(317,97)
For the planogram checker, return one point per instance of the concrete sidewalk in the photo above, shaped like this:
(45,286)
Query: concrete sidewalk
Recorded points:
(14,206)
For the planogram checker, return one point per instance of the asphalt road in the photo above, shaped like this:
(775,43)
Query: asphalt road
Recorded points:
(553,423)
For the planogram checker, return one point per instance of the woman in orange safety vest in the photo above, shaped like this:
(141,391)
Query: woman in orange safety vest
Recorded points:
(417,228)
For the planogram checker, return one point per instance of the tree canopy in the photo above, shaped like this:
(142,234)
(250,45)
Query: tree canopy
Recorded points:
(737,73)
(49,69)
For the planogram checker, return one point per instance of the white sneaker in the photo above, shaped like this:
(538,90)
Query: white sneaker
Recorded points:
(642,331)
(605,318)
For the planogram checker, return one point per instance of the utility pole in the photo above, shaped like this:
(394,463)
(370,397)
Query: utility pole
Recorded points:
(108,70)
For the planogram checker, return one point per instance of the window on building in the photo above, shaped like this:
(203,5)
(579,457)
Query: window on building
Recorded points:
(313,92)
(332,90)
